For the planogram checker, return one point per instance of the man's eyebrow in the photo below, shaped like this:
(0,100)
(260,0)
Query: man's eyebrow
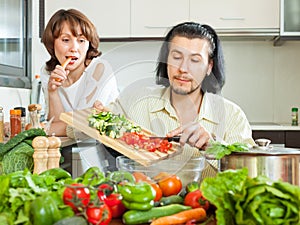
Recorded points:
(181,52)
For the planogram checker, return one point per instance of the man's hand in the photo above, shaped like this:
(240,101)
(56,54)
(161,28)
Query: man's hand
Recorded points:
(193,134)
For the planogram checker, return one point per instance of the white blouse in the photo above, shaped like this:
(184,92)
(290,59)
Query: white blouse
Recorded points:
(88,88)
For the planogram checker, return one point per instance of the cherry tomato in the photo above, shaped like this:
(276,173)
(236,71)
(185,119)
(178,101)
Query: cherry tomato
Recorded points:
(77,196)
(100,215)
(170,185)
(195,199)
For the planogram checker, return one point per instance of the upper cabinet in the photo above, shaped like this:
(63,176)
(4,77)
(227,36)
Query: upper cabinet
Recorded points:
(111,18)
(232,15)
(290,18)
(153,18)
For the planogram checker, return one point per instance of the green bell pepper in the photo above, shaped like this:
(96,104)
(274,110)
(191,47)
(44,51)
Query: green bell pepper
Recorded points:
(137,196)
(44,210)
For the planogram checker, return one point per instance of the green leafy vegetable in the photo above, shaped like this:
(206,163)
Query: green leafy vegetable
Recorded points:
(254,201)
(16,154)
(19,158)
(219,150)
(111,125)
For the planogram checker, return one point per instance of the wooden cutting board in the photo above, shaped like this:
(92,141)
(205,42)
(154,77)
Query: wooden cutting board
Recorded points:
(79,120)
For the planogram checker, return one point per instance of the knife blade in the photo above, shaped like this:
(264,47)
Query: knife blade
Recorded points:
(174,138)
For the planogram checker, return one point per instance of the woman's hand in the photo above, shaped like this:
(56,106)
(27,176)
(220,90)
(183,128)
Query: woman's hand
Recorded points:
(193,134)
(57,77)
(99,106)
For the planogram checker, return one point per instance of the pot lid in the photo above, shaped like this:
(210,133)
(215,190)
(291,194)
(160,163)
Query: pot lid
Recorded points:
(270,150)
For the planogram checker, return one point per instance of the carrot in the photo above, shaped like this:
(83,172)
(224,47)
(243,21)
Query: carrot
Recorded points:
(66,62)
(64,65)
(198,214)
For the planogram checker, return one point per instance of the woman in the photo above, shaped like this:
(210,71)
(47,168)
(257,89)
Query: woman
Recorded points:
(71,39)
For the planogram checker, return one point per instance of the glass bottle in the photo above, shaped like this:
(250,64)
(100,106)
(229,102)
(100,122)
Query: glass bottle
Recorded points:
(15,122)
(294,116)
(1,125)
(23,117)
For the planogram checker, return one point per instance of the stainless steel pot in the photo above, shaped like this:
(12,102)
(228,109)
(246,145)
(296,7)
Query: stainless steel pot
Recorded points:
(276,163)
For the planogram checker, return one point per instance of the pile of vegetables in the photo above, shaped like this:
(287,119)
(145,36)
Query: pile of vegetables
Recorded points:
(243,200)
(111,125)
(16,154)
(117,126)
(32,199)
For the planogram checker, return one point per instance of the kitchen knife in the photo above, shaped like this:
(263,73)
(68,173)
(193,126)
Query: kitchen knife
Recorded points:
(174,138)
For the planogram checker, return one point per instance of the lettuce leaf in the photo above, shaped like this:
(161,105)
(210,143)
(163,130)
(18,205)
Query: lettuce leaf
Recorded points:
(243,200)
(221,191)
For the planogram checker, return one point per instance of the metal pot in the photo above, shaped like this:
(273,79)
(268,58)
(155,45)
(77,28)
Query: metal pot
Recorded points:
(274,162)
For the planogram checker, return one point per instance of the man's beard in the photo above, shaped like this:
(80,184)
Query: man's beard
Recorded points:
(180,91)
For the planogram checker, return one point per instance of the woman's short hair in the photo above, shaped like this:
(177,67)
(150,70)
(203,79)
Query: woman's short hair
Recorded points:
(75,19)
(212,83)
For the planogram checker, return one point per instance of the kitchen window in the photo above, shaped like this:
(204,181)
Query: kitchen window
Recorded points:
(15,43)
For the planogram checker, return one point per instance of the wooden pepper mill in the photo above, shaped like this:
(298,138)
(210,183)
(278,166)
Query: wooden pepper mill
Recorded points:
(53,152)
(40,155)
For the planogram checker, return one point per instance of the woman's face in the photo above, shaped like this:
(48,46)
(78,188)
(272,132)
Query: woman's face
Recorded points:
(68,45)
(188,64)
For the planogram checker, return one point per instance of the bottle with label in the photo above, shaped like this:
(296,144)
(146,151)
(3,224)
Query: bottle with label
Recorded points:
(294,116)
(37,95)
(23,117)
(1,125)
(15,122)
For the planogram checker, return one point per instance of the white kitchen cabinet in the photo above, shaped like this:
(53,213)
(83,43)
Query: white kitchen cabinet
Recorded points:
(154,18)
(111,18)
(236,14)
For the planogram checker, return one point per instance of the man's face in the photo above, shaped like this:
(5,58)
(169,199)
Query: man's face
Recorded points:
(188,64)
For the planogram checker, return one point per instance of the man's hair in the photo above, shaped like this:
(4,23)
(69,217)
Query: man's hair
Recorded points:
(212,83)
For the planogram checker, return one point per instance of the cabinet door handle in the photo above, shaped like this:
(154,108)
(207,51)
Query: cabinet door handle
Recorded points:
(232,18)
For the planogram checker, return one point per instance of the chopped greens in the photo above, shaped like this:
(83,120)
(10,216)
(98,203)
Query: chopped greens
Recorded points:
(111,125)
(219,150)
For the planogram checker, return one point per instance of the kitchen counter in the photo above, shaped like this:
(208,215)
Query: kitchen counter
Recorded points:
(274,126)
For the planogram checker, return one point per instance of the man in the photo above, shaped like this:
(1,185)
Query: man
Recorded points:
(190,71)
(190,75)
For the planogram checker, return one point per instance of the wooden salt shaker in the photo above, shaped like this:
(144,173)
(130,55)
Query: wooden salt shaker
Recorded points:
(40,155)
(53,152)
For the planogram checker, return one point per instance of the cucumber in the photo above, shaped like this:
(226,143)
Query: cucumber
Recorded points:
(172,199)
(133,217)
(75,220)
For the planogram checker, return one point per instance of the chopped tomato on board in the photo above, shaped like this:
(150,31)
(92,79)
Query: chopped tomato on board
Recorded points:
(141,141)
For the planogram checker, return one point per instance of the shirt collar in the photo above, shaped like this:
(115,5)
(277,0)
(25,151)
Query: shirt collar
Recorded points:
(208,107)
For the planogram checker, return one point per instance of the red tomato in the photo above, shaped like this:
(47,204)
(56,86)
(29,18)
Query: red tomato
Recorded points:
(170,185)
(77,196)
(195,199)
(100,215)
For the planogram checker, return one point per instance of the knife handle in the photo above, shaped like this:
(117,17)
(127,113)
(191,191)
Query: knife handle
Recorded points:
(174,138)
